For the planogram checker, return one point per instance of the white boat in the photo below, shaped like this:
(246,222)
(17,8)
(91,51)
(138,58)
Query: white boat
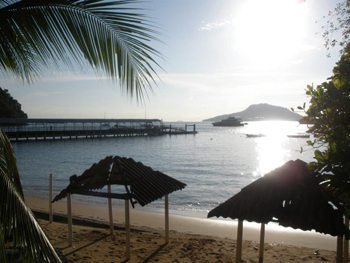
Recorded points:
(299,135)
(229,122)
(255,135)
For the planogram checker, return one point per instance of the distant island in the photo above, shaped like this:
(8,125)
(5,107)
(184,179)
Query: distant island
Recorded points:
(260,112)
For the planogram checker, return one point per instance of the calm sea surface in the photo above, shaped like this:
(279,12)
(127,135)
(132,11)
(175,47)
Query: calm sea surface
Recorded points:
(215,163)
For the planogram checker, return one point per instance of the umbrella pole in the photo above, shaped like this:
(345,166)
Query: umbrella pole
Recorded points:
(110,211)
(69,217)
(166,204)
(262,241)
(127,228)
(339,257)
(346,243)
(239,241)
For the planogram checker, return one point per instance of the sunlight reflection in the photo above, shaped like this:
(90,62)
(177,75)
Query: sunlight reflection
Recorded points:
(271,150)
(271,153)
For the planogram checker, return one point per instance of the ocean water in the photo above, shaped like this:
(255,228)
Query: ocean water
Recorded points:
(215,163)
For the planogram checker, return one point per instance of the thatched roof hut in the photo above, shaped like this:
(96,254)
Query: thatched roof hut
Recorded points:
(142,184)
(290,196)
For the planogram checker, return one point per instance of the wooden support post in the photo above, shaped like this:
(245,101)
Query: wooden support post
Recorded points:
(69,218)
(50,199)
(346,243)
(339,256)
(110,211)
(166,205)
(262,241)
(127,228)
(239,241)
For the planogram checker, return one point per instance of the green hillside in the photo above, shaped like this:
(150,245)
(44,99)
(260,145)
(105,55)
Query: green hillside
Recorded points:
(262,111)
(9,107)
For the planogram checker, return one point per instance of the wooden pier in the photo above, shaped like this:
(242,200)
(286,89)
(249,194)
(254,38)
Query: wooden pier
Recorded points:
(172,130)
(68,129)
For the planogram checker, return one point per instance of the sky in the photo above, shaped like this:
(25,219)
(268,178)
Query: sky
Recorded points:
(218,57)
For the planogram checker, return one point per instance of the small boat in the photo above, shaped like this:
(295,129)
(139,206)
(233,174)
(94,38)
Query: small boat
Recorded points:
(299,135)
(229,122)
(105,125)
(255,135)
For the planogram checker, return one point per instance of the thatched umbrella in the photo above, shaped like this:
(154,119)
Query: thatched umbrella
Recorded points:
(289,195)
(143,185)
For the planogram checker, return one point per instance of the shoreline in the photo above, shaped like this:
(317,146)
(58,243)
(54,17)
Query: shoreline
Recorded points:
(152,221)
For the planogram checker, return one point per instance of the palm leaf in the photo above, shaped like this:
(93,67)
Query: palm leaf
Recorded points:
(16,219)
(111,36)
(8,164)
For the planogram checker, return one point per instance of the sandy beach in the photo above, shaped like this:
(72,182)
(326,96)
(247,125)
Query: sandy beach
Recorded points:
(191,239)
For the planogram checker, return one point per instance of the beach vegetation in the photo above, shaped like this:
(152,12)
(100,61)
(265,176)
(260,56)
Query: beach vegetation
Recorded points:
(329,111)
(10,107)
(111,37)
(19,230)
(336,27)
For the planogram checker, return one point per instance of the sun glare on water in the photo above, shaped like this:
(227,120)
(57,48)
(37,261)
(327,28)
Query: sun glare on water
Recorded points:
(271,150)
(271,153)
(269,32)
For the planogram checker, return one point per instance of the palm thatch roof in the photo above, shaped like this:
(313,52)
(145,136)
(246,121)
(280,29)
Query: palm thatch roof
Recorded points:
(289,195)
(142,183)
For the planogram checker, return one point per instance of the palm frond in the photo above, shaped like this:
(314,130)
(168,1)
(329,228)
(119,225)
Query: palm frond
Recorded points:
(16,219)
(3,257)
(111,36)
(8,164)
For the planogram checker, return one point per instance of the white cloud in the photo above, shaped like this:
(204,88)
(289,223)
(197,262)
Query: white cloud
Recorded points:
(214,25)
(71,76)
(53,77)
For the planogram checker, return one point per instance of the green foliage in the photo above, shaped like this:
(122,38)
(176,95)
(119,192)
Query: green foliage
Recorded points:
(9,107)
(17,222)
(329,112)
(336,29)
(111,36)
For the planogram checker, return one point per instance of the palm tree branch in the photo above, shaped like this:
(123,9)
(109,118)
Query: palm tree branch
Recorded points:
(16,219)
(8,163)
(105,34)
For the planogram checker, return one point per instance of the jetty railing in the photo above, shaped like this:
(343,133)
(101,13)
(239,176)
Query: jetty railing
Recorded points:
(59,129)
